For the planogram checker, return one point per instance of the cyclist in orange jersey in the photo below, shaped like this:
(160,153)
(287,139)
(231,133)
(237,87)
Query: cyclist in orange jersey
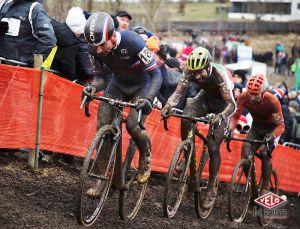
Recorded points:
(268,123)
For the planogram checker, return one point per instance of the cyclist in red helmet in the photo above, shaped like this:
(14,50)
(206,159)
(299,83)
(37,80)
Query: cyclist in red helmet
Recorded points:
(268,123)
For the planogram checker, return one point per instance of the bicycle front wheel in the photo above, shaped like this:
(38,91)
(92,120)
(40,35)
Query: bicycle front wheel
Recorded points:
(177,179)
(132,194)
(239,192)
(266,220)
(202,182)
(97,172)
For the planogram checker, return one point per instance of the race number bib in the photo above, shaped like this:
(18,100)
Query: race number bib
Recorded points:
(13,26)
(145,56)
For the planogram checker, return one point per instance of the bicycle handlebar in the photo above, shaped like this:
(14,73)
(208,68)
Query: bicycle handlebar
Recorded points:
(251,141)
(112,102)
(193,119)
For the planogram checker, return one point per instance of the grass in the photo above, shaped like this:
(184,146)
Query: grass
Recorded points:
(196,12)
(201,11)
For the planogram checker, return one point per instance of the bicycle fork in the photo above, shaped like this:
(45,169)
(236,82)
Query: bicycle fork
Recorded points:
(117,182)
(188,162)
(251,176)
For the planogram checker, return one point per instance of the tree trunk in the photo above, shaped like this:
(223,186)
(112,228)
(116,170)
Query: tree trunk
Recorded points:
(89,6)
(181,7)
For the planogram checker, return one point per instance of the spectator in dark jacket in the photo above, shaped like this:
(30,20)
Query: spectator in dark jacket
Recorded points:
(239,76)
(280,92)
(25,30)
(294,132)
(72,58)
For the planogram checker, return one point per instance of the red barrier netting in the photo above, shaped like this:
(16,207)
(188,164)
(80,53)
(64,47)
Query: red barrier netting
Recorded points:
(65,128)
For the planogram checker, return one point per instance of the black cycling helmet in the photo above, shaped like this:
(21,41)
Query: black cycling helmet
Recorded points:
(99,28)
(140,30)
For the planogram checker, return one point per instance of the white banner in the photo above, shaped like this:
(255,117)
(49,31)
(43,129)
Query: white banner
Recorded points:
(244,53)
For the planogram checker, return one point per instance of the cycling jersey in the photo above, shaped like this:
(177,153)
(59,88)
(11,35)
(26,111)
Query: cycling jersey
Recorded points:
(217,86)
(131,62)
(265,113)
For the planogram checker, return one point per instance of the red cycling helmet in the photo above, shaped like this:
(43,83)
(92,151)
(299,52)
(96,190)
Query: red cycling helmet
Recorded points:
(257,84)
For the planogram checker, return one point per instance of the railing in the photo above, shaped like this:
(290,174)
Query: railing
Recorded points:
(292,145)
(220,26)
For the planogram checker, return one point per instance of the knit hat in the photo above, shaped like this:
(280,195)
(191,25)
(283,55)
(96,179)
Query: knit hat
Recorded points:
(240,73)
(239,86)
(152,44)
(294,104)
(163,51)
(76,20)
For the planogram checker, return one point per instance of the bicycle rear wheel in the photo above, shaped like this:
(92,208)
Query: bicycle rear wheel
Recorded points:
(132,194)
(177,179)
(265,220)
(98,168)
(239,192)
(202,186)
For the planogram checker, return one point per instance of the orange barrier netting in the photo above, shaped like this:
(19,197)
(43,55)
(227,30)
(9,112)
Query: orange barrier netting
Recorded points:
(66,129)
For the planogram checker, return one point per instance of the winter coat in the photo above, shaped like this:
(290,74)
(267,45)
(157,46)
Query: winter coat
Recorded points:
(295,128)
(170,80)
(30,31)
(71,59)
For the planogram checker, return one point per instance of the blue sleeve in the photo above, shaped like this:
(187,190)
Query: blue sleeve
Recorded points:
(43,30)
(83,64)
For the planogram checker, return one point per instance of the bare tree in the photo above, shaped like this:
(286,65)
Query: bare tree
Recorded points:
(115,6)
(89,5)
(152,9)
(181,6)
(150,14)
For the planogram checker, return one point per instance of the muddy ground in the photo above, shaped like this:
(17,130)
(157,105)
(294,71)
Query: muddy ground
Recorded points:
(45,199)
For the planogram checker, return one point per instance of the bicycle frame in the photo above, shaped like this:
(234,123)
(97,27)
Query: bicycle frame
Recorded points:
(117,126)
(191,135)
(250,158)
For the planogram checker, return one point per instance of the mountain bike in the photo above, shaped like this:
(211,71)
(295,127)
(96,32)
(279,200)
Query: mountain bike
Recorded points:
(103,166)
(183,162)
(243,186)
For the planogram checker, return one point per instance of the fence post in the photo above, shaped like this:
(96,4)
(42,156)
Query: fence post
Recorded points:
(33,159)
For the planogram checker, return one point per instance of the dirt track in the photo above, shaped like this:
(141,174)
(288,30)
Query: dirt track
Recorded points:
(46,199)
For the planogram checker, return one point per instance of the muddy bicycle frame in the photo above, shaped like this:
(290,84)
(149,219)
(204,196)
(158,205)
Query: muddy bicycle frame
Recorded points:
(250,158)
(190,164)
(117,125)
